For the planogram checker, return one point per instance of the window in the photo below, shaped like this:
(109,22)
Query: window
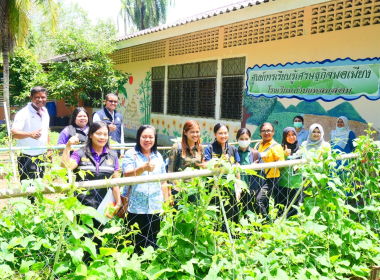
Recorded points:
(158,89)
(90,101)
(191,89)
(233,71)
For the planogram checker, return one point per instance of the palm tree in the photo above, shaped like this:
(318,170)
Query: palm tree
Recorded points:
(14,28)
(144,13)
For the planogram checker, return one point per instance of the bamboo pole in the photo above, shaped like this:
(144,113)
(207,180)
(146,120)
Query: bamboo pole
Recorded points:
(98,184)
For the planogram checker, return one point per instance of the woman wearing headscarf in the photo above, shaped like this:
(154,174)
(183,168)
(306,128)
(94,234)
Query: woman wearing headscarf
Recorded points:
(290,179)
(342,137)
(315,141)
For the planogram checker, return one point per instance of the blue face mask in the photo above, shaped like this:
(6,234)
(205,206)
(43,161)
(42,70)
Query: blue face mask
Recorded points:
(340,128)
(297,124)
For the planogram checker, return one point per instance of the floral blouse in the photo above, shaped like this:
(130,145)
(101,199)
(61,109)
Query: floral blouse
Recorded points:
(146,198)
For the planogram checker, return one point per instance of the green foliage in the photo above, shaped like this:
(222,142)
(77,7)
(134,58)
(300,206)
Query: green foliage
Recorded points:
(26,73)
(144,13)
(346,109)
(332,236)
(310,108)
(260,108)
(86,68)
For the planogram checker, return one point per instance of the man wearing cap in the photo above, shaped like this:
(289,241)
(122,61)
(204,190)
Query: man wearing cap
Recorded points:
(31,129)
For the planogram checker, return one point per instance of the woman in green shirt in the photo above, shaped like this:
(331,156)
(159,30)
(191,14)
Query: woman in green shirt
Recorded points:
(249,156)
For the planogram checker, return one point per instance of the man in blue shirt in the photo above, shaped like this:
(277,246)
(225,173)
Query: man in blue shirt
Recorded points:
(112,118)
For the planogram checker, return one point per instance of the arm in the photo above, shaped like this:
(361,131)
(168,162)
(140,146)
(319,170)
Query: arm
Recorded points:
(173,156)
(96,118)
(73,161)
(130,169)
(351,137)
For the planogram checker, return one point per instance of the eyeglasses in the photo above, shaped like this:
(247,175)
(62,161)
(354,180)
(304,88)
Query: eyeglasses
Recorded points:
(266,131)
(113,101)
(39,98)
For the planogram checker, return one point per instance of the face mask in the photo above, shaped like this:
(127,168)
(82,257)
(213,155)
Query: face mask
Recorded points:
(244,144)
(340,128)
(297,124)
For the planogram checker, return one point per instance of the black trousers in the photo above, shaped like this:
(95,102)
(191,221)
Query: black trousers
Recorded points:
(149,226)
(285,196)
(29,169)
(247,201)
(268,189)
(230,205)
(98,243)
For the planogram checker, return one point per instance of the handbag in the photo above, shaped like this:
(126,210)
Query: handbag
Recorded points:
(123,212)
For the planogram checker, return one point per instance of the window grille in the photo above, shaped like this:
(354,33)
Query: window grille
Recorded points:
(158,89)
(191,89)
(339,15)
(233,71)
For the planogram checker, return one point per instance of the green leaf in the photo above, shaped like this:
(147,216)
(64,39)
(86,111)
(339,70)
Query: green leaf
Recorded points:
(70,202)
(24,267)
(76,255)
(69,215)
(81,270)
(189,268)
(111,230)
(334,258)
(89,246)
(61,268)
(38,266)
(107,251)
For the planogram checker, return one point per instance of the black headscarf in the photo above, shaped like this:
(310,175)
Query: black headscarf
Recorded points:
(294,147)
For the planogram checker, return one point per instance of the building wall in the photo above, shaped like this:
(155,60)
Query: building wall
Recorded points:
(318,32)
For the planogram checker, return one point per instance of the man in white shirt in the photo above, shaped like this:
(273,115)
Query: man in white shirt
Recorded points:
(31,129)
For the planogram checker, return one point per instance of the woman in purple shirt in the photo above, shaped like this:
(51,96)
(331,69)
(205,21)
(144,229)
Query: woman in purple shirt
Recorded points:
(78,126)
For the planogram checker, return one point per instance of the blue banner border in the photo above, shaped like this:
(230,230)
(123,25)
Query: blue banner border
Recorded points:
(304,64)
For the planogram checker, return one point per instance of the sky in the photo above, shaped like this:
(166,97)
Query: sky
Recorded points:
(97,9)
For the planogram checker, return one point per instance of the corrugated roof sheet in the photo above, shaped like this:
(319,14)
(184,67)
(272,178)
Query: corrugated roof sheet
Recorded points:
(204,15)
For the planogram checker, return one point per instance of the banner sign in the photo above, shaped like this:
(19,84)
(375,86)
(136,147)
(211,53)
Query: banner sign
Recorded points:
(327,80)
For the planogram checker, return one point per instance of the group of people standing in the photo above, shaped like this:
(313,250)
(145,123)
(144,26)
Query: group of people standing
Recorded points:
(145,200)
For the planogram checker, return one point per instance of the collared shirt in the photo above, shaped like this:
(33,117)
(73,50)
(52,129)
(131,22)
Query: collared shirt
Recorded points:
(230,152)
(96,117)
(146,198)
(64,135)
(276,153)
(75,156)
(244,160)
(180,162)
(302,135)
(28,120)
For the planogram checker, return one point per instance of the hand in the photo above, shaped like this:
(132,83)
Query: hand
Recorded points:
(202,165)
(49,155)
(287,151)
(112,126)
(256,161)
(149,166)
(36,134)
(73,141)
(117,209)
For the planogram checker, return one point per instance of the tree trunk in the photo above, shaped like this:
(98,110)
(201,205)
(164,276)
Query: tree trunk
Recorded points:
(142,16)
(5,50)
(246,115)
(125,23)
